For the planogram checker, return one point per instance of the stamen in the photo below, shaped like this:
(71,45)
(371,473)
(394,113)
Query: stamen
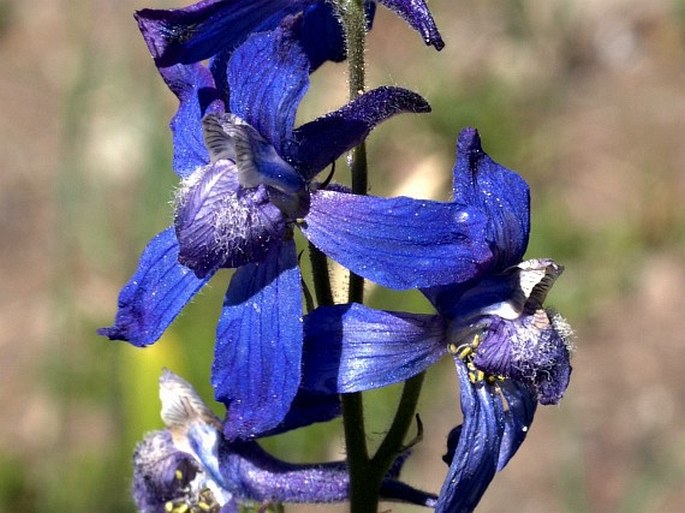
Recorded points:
(205,503)
(467,352)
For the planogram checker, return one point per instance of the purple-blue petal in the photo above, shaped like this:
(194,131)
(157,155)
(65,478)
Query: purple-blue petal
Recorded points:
(400,243)
(518,418)
(318,143)
(230,507)
(308,408)
(256,370)
(251,474)
(194,87)
(321,34)
(268,76)
(156,293)
(533,349)
(417,14)
(350,348)
(221,224)
(214,28)
(501,193)
(209,27)
(477,450)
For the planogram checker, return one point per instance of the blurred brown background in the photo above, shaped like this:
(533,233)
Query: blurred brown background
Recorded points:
(585,98)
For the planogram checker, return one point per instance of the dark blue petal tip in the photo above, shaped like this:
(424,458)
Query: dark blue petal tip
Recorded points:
(155,294)
(469,142)
(419,17)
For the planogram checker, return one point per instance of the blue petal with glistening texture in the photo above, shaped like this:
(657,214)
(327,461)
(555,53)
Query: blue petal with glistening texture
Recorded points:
(501,193)
(256,370)
(308,408)
(214,28)
(320,142)
(350,348)
(194,87)
(476,454)
(267,77)
(399,242)
(209,27)
(503,197)
(518,418)
(156,293)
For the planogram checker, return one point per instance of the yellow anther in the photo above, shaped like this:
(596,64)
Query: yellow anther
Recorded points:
(169,507)
(204,506)
(464,352)
(178,474)
(476,376)
(181,508)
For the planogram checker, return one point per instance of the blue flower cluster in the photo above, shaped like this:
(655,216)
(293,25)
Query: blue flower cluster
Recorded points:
(248,180)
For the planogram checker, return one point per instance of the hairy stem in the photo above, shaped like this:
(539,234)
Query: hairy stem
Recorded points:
(367,473)
(364,484)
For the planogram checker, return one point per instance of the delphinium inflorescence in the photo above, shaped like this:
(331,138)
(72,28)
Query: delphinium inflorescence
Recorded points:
(249,179)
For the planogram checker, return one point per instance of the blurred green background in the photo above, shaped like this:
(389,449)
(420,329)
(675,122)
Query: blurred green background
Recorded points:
(585,98)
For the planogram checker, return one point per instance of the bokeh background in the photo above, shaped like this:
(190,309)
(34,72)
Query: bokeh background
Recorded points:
(585,98)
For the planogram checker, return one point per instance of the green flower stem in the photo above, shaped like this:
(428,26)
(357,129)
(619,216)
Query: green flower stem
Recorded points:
(366,473)
(364,484)
(394,439)
(321,277)
(354,21)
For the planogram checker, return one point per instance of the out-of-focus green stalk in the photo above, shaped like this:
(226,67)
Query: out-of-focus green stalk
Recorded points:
(394,439)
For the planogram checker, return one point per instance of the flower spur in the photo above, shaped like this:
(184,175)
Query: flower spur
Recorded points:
(191,467)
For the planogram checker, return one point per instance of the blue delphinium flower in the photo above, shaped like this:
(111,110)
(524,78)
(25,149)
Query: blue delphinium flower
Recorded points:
(191,465)
(247,180)
(212,27)
(510,352)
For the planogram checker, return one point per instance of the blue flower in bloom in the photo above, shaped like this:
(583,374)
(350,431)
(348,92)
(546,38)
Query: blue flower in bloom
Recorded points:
(213,27)
(510,352)
(247,181)
(190,466)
